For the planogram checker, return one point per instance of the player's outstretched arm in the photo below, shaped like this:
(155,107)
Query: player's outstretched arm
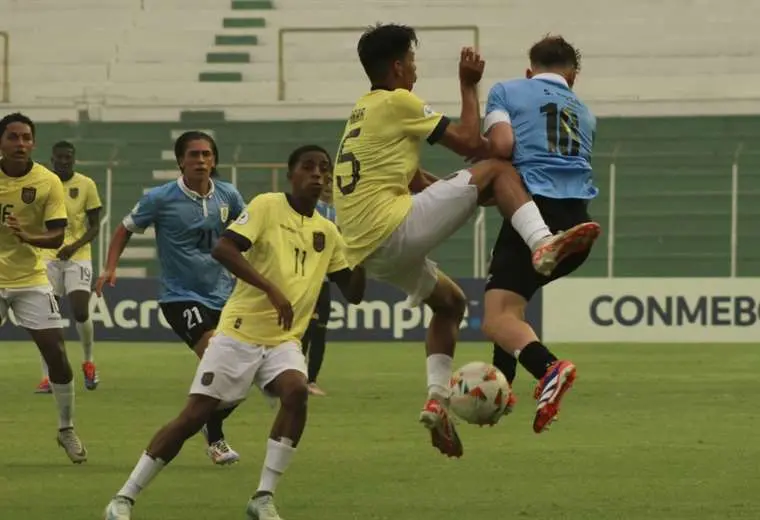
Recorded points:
(119,241)
(228,251)
(51,238)
(351,283)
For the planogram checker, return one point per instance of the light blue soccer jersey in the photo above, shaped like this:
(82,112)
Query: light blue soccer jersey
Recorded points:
(326,210)
(187,227)
(554,135)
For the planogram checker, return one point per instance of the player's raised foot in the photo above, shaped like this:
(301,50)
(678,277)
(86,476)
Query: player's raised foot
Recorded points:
(262,508)
(119,508)
(315,390)
(43,387)
(435,417)
(69,441)
(549,392)
(221,454)
(558,247)
(90,375)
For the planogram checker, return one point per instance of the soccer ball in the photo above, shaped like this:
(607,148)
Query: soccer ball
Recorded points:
(479,393)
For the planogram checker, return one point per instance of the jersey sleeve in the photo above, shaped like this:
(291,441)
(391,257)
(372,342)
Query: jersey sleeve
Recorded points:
(251,223)
(93,198)
(143,215)
(54,213)
(416,118)
(338,260)
(498,109)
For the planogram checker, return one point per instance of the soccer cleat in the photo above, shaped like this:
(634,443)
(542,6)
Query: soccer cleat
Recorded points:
(549,391)
(262,508)
(435,417)
(119,508)
(221,453)
(90,375)
(558,247)
(511,403)
(44,387)
(69,441)
(315,390)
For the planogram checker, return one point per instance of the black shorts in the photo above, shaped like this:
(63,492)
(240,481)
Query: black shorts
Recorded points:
(322,309)
(190,320)
(511,267)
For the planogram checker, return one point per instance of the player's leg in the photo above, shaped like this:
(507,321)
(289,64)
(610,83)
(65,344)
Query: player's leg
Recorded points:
(36,310)
(77,279)
(55,277)
(195,324)
(318,339)
(283,375)
(224,375)
(501,180)
(512,282)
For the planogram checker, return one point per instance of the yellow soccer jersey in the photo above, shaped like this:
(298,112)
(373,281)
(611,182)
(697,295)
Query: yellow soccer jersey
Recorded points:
(293,252)
(81,196)
(36,200)
(378,157)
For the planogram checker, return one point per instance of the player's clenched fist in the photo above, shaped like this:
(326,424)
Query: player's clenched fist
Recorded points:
(471,66)
(283,307)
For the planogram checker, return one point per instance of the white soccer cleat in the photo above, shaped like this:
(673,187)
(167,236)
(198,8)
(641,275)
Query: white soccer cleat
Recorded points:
(262,508)
(119,508)
(221,453)
(69,441)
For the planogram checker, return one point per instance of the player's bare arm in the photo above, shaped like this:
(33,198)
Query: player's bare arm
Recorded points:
(501,141)
(116,247)
(351,283)
(51,238)
(463,137)
(93,228)
(228,251)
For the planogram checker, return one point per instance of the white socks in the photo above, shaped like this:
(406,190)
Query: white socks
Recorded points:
(279,454)
(147,468)
(86,332)
(64,399)
(529,223)
(439,368)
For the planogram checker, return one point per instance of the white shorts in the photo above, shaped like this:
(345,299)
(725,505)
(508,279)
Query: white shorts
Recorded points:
(33,308)
(437,213)
(229,367)
(67,276)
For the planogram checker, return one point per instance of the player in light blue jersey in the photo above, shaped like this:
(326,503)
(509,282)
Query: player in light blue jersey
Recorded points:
(314,339)
(548,133)
(188,215)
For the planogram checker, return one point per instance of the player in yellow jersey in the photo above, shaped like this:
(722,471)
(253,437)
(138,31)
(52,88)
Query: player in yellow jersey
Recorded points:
(391,231)
(32,216)
(280,249)
(70,268)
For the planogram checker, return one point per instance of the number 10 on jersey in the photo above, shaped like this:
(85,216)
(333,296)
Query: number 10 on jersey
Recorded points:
(561,130)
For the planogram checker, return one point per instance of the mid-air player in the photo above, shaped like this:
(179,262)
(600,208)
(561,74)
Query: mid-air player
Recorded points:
(548,133)
(33,217)
(280,250)
(391,232)
(70,268)
(189,215)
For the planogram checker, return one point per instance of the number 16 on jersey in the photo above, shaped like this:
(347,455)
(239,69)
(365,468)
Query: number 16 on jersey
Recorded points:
(343,157)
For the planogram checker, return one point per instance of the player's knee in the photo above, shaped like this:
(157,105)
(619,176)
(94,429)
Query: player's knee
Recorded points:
(295,395)
(196,413)
(81,315)
(450,303)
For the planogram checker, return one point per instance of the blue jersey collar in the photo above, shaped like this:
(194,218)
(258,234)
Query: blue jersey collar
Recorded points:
(193,194)
(552,77)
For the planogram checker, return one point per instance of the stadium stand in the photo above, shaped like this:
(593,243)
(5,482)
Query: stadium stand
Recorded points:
(673,176)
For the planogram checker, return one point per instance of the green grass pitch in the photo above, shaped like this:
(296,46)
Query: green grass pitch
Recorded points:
(649,432)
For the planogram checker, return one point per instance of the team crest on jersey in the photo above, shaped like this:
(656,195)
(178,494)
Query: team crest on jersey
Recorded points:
(319,241)
(224,212)
(73,192)
(28,195)
(207,378)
